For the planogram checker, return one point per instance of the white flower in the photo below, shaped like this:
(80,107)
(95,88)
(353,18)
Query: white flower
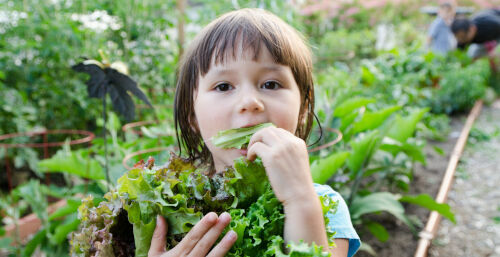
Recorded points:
(98,21)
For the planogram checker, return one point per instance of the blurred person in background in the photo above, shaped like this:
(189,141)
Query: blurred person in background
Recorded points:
(440,38)
(481,32)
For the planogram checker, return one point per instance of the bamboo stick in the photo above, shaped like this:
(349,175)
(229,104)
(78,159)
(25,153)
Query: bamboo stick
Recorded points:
(430,229)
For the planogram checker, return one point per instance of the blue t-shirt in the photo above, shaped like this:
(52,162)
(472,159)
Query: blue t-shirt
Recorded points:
(442,39)
(340,221)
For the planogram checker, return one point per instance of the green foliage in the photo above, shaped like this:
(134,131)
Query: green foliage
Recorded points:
(404,127)
(52,237)
(76,163)
(378,202)
(323,169)
(459,90)
(426,201)
(377,230)
(371,120)
(41,40)
(183,194)
(345,45)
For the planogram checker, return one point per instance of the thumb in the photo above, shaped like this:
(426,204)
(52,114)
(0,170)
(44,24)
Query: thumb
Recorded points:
(158,240)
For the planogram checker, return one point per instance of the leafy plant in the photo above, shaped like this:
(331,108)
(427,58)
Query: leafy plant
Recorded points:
(459,90)
(182,194)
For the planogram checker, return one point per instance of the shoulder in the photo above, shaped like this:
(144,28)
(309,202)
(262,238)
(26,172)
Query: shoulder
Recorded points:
(325,190)
(340,221)
(436,25)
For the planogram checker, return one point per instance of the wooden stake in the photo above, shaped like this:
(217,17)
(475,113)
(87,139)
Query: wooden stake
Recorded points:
(430,229)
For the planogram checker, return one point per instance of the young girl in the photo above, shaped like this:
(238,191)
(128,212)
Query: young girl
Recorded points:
(245,68)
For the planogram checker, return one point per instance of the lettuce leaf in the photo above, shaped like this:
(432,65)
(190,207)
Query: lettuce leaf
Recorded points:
(238,137)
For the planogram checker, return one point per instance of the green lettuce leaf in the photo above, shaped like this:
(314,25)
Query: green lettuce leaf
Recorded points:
(238,137)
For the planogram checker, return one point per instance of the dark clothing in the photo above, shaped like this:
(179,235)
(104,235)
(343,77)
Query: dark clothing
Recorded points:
(488,26)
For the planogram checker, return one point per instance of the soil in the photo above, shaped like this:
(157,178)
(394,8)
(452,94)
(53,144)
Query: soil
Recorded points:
(402,240)
(474,197)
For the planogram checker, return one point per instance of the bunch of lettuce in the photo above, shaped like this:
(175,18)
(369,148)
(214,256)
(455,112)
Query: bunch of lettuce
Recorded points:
(123,224)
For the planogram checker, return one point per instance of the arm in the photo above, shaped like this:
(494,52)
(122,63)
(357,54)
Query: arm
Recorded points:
(306,223)
(287,166)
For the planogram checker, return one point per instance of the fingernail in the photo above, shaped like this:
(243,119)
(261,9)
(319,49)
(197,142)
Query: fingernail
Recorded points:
(224,215)
(231,235)
(211,217)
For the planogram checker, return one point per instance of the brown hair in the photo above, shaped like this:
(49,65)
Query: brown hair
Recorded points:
(217,42)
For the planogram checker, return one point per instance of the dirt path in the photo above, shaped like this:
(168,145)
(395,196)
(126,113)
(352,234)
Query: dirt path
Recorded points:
(475,195)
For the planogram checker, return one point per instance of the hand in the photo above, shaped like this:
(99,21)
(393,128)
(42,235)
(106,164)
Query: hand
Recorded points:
(287,164)
(198,241)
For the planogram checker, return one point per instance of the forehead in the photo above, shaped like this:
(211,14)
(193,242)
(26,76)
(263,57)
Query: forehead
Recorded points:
(242,53)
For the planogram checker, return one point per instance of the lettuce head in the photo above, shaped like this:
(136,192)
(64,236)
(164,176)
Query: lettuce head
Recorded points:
(123,224)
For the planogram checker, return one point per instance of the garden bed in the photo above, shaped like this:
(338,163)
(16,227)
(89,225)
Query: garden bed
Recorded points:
(402,241)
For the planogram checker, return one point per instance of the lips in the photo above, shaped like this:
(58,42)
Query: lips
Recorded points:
(250,125)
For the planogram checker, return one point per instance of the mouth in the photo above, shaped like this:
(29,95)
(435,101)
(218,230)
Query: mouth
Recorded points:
(250,125)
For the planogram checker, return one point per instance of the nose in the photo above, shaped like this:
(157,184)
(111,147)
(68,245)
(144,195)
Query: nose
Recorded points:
(250,101)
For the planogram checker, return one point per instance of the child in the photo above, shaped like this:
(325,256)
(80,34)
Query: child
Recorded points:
(245,68)
(441,39)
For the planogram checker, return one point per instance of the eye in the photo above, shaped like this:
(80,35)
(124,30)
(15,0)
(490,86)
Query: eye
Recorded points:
(271,85)
(222,87)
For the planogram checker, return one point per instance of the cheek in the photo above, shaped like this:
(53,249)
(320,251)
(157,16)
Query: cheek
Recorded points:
(206,113)
(286,116)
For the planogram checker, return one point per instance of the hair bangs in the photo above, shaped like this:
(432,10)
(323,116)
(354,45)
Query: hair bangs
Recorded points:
(240,31)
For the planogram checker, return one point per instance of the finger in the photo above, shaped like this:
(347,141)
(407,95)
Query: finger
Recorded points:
(197,232)
(258,149)
(208,240)
(224,245)
(266,135)
(158,240)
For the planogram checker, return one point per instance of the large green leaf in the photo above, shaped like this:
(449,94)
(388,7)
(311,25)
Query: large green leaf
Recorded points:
(323,169)
(71,207)
(348,106)
(6,243)
(372,120)
(73,163)
(377,230)
(143,234)
(412,150)
(36,240)
(426,201)
(362,150)
(404,127)
(347,120)
(34,193)
(378,202)
(61,231)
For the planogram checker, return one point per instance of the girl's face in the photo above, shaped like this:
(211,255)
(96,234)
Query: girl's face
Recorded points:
(243,92)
